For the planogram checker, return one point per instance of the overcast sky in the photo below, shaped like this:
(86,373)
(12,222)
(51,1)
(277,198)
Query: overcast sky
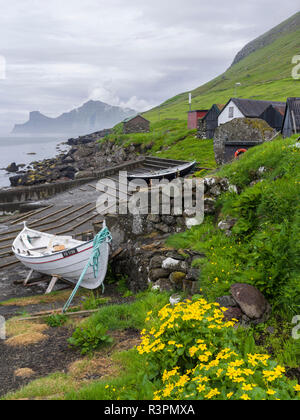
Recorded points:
(135,53)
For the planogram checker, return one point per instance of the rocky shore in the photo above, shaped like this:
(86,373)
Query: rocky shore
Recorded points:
(85,155)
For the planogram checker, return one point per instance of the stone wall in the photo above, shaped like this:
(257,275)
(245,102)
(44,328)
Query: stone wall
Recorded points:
(139,251)
(201,129)
(241,130)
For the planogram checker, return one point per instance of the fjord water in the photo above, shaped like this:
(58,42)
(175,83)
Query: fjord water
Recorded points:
(16,149)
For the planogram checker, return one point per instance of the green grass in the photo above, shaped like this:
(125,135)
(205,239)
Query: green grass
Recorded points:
(263,249)
(169,139)
(120,317)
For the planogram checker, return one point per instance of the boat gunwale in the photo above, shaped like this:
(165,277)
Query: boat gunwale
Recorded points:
(31,257)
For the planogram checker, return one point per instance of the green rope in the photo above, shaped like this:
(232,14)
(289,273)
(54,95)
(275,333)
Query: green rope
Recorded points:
(102,236)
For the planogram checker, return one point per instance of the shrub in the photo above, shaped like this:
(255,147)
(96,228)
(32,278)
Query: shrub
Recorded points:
(90,338)
(193,353)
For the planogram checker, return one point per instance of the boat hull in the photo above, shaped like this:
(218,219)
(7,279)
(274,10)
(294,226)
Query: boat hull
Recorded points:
(70,264)
(169,174)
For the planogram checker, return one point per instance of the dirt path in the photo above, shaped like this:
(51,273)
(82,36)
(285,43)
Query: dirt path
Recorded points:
(50,355)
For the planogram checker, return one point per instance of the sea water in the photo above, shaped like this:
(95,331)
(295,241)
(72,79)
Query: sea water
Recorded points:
(20,150)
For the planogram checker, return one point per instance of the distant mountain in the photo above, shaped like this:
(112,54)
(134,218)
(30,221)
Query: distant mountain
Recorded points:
(90,117)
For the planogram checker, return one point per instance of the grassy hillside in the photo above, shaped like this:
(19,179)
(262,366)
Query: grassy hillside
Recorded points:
(171,140)
(264,74)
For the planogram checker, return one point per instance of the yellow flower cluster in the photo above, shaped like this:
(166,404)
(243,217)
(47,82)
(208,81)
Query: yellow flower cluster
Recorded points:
(272,375)
(218,373)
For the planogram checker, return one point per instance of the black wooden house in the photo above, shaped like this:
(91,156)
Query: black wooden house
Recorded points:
(208,124)
(291,121)
(274,115)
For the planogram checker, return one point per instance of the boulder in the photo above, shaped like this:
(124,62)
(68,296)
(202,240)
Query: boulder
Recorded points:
(251,300)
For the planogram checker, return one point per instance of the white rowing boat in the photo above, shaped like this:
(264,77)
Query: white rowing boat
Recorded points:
(61,256)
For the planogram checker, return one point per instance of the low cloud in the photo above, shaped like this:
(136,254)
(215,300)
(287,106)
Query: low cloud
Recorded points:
(60,54)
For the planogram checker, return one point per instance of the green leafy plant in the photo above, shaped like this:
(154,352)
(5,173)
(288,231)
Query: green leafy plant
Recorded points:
(92,302)
(90,338)
(192,353)
(56,320)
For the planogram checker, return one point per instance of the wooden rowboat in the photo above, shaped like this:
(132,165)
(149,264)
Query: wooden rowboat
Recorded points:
(169,173)
(60,256)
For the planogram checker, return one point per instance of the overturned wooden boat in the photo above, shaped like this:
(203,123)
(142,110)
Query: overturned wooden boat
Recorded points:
(168,173)
(62,256)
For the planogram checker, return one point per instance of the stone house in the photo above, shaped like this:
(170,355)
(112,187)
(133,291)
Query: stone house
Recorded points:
(291,120)
(237,136)
(136,124)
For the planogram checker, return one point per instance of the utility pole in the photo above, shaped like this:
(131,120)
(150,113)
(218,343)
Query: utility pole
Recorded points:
(235,89)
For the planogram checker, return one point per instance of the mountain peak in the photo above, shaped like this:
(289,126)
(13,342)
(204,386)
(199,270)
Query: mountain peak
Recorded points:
(90,117)
(269,37)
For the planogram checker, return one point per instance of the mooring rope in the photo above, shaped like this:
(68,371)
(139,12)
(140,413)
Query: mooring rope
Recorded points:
(102,236)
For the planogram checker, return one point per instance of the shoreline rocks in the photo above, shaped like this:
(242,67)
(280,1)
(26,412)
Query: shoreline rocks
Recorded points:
(86,154)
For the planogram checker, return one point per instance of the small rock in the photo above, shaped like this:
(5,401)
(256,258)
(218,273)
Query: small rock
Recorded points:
(164,285)
(158,273)
(153,218)
(156,262)
(163,228)
(177,278)
(174,299)
(12,168)
(233,313)
(215,191)
(226,224)
(194,221)
(168,220)
(174,265)
(193,274)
